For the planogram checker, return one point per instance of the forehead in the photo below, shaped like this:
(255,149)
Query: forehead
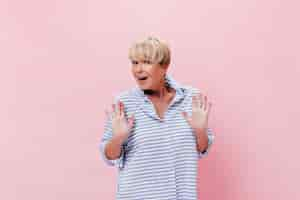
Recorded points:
(139,58)
(143,50)
(140,53)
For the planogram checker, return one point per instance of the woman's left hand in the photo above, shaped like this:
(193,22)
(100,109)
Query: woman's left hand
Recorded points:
(200,112)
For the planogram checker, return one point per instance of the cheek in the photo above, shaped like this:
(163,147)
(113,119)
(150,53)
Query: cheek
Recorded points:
(154,73)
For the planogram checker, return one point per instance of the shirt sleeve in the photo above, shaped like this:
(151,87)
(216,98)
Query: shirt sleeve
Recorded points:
(211,138)
(107,136)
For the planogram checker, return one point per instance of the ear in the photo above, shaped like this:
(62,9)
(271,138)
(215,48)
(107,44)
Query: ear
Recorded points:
(165,67)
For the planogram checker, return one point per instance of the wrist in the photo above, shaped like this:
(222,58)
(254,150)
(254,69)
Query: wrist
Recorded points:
(119,139)
(200,131)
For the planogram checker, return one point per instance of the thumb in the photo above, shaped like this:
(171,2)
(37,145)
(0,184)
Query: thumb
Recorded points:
(107,114)
(130,121)
(185,116)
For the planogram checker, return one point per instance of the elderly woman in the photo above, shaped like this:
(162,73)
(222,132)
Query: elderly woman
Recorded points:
(157,131)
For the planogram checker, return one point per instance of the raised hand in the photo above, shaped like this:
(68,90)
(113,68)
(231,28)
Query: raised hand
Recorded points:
(200,112)
(121,126)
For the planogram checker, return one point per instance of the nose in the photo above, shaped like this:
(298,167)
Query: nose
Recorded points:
(138,67)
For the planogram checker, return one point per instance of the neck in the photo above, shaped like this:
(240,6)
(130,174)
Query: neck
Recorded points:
(160,93)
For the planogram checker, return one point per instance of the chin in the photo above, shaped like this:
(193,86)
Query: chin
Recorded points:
(144,88)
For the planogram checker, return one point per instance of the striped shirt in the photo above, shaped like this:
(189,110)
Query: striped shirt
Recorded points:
(159,159)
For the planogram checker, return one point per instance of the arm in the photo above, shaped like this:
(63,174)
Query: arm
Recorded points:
(202,140)
(110,147)
(199,122)
(113,148)
(116,132)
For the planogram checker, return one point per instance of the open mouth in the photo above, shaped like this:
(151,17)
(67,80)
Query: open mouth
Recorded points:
(142,78)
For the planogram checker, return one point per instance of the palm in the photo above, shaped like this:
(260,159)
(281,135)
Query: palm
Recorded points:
(200,111)
(120,125)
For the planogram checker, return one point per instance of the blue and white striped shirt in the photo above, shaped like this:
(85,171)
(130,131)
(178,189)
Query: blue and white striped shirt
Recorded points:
(159,159)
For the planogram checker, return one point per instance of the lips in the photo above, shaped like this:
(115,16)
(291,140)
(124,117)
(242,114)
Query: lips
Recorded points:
(142,78)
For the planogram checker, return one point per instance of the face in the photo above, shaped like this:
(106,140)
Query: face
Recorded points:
(148,75)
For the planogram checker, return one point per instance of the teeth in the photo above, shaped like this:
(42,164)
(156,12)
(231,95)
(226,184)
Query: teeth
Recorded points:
(142,78)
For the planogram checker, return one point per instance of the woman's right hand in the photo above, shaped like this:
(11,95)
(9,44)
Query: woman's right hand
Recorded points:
(121,126)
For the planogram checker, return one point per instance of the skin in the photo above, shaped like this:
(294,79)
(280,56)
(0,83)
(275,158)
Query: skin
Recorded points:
(154,87)
(155,74)
(160,96)
(199,119)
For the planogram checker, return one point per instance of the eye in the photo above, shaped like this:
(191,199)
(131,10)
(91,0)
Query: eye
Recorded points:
(134,62)
(147,62)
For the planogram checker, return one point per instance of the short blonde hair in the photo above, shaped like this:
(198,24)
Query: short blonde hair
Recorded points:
(152,49)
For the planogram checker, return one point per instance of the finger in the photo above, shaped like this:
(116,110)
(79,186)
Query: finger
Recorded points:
(184,114)
(107,114)
(186,117)
(113,114)
(121,106)
(117,111)
(205,103)
(121,109)
(209,107)
(130,122)
(195,102)
(200,98)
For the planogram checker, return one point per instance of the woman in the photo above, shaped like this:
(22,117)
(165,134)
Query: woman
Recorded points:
(157,131)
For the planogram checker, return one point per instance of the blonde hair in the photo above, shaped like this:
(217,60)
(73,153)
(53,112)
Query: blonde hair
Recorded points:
(151,49)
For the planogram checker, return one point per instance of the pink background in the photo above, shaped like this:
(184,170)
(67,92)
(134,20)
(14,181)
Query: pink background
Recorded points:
(63,61)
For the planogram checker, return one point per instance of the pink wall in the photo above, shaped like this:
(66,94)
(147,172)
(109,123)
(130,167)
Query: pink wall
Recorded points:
(63,61)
